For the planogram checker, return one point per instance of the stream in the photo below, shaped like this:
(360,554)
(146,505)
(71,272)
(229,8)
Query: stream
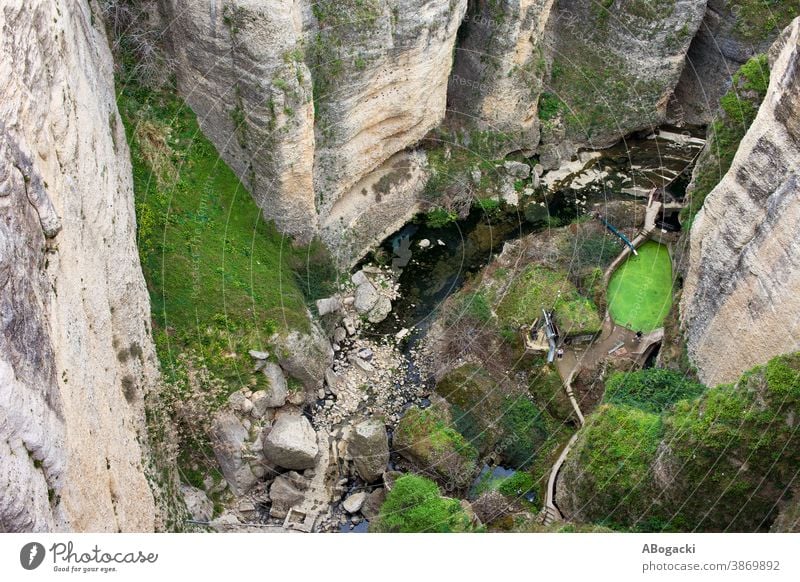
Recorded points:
(433,263)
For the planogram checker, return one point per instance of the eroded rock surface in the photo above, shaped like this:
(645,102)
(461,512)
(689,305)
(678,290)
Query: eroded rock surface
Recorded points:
(740,303)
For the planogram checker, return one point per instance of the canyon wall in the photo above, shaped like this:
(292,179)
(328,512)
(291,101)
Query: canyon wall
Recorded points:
(732,31)
(740,303)
(568,73)
(76,356)
(305,100)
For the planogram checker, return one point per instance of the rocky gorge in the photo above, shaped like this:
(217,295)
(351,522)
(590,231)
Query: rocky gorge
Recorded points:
(284,256)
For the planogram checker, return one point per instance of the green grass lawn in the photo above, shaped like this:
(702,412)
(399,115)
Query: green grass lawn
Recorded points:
(640,291)
(220,277)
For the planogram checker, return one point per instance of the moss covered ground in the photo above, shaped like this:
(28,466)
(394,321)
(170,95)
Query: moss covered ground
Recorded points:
(721,460)
(538,288)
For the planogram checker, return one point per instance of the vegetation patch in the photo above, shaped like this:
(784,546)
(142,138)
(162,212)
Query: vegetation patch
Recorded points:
(760,20)
(538,288)
(415,505)
(614,457)
(651,390)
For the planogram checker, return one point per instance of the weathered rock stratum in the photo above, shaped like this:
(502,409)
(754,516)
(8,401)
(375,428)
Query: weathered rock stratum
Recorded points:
(76,356)
(740,303)
(305,100)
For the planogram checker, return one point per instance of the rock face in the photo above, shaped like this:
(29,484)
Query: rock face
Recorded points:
(76,356)
(291,443)
(368,446)
(568,72)
(498,70)
(305,99)
(722,44)
(614,67)
(740,304)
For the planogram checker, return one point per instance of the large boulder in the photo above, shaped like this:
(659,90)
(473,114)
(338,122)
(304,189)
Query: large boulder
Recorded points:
(286,491)
(366,297)
(291,442)
(428,439)
(381,309)
(304,356)
(228,440)
(353,503)
(368,446)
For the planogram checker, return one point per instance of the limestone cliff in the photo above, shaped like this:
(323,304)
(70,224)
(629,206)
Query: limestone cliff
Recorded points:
(499,69)
(582,74)
(732,31)
(740,302)
(304,100)
(76,356)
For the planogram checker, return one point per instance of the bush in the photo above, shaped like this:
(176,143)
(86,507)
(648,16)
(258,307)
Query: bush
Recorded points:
(415,505)
(519,484)
(549,106)
(651,390)
(440,217)
(523,431)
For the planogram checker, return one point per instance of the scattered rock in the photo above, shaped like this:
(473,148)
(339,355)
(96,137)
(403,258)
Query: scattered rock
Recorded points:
(228,438)
(402,333)
(349,325)
(509,193)
(517,169)
(538,169)
(354,502)
(424,243)
(332,380)
(382,309)
(372,505)
(328,305)
(339,335)
(256,355)
(368,446)
(291,442)
(366,297)
(365,367)
(365,354)
(197,502)
(286,492)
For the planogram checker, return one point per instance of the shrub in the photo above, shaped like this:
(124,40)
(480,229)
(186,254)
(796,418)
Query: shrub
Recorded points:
(415,505)
(651,390)
(440,217)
